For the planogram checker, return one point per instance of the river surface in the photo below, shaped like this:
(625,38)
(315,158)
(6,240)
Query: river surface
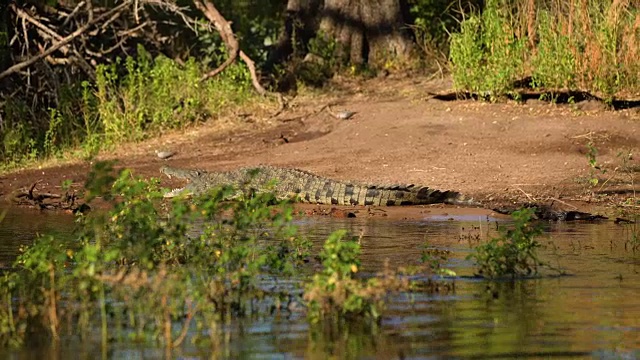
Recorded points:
(593,311)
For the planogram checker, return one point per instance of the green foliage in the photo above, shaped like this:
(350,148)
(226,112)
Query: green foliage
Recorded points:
(632,234)
(335,289)
(256,24)
(131,100)
(155,272)
(467,55)
(321,62)
(433,21)
(434,258)
(154,95)
(486,57)
(514,252)
(18,140)
(51,136)
(427,15)
(553,65)
(594,167)
(576,46)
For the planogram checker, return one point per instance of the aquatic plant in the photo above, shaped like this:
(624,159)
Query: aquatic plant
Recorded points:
(150,271)
(514,253)
(146,273)
(335,288)
(338,290)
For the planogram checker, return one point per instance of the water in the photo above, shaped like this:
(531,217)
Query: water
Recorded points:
(20,226)
(592,312)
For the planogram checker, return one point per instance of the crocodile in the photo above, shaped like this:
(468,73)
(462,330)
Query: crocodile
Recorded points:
(307,187)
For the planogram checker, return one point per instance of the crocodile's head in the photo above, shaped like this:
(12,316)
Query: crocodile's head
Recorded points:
(191,176)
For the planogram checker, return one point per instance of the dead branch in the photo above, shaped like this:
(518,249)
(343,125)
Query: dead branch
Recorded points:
(254,76)
(72,14)
(90,22)
(175,9)
(52,45)
(32,187)
(48,33)
(230,40)
(19,66)
(224,28)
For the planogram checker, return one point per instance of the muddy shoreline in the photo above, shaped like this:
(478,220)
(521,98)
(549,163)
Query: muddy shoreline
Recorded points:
(499,154)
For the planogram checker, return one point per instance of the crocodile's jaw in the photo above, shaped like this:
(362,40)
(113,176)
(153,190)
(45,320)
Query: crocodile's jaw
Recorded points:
(183,191)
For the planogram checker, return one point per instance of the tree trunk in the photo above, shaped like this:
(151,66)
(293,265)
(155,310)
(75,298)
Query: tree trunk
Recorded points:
(366,31)
(4,37)
(300,26)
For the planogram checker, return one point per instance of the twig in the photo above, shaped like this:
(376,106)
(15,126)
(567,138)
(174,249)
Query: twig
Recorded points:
(72,14)
(605,182)
(132,30)
(302,117)
(188,21)
(135,11)
(629,205)
(32,187)
(527,195)
(560,201)
(587,135)
(230,40)
(19,66)
(283,105)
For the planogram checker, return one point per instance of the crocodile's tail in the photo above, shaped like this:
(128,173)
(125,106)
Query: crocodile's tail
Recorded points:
(310,188)
(415,195)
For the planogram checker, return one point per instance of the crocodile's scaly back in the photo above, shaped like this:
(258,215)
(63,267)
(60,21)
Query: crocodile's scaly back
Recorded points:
(307,187)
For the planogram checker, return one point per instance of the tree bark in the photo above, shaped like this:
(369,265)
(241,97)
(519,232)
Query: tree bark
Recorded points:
(300,25)
(366,31)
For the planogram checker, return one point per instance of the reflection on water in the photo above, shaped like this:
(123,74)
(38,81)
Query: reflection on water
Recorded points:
(21,226)
(593,311)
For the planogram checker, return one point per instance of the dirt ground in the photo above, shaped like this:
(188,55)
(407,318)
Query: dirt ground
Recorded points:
(497,153)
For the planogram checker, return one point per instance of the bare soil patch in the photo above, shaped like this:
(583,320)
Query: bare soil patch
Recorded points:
(497,153)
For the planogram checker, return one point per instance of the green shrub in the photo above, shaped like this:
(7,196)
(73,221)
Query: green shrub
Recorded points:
(514,252)
(131,100)
(486,57)
(155,95)
(553,65)
(335,289)
(577,45)
(153,272)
